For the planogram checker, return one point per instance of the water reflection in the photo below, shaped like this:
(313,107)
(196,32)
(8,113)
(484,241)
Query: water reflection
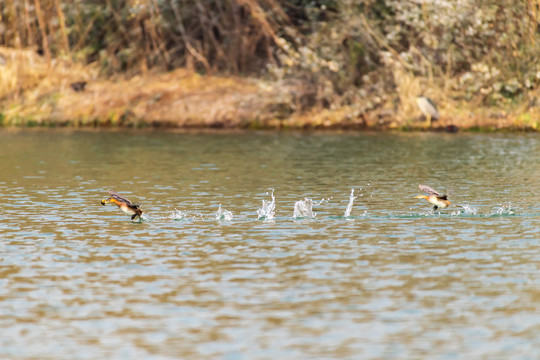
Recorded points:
(390,279)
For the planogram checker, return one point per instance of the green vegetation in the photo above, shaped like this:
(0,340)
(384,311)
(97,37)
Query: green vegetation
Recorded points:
(270,63)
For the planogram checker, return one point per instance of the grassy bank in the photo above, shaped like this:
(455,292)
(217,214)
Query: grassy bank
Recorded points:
(35,92)
(270,63)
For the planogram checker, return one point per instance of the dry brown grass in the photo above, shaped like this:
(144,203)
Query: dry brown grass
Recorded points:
(179,98)
(29,83)
(33,91)
(408,87)
(36,92)
(135,35)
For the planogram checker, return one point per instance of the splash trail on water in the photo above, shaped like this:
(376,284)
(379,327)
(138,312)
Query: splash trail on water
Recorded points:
(505,209)
(466,209)
(350,205)
(177,215)
(268,209)
(223,215)
(304,209)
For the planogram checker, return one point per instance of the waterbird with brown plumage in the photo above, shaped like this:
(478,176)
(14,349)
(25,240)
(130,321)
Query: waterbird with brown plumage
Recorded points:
(124,204)
(434,197)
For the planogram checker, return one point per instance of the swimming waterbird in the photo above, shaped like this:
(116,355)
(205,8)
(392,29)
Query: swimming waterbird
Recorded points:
(434,197)
(124,204)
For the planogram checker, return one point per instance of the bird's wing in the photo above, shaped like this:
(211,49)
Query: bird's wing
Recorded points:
(446,194)
(432,103)
(428,190)
(435,114)
(117,197)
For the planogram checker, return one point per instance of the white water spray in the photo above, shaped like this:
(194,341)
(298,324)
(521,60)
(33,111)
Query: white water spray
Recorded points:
(350,205)
(469,210)
(177,215)
(268,209)
(505,209)
(304,209)
(223,215)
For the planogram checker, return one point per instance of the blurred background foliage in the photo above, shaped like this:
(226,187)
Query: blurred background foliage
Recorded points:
(372,53)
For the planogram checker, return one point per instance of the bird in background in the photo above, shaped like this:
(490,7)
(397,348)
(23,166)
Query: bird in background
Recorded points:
(124,204)
(434,197)
(428,109)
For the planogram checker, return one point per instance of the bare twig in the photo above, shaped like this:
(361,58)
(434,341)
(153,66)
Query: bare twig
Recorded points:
(42,27)
(62,21)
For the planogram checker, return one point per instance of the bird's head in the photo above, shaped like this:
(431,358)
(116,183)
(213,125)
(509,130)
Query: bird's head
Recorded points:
(421,197)
(105,201)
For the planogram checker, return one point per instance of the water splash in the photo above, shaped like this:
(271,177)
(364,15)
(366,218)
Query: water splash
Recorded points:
(350,205)
(304,209)
(369,183)
(223,215)
(466,209)
(177,215)
(507,209)
(268,209)
(322,201)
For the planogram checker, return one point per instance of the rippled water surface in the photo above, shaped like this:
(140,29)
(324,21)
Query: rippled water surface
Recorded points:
(219,270)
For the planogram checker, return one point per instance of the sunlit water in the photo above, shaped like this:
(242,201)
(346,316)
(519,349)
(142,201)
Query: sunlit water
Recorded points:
(269,246)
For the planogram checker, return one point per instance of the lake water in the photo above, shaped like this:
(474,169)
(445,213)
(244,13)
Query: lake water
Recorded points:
(217,270)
